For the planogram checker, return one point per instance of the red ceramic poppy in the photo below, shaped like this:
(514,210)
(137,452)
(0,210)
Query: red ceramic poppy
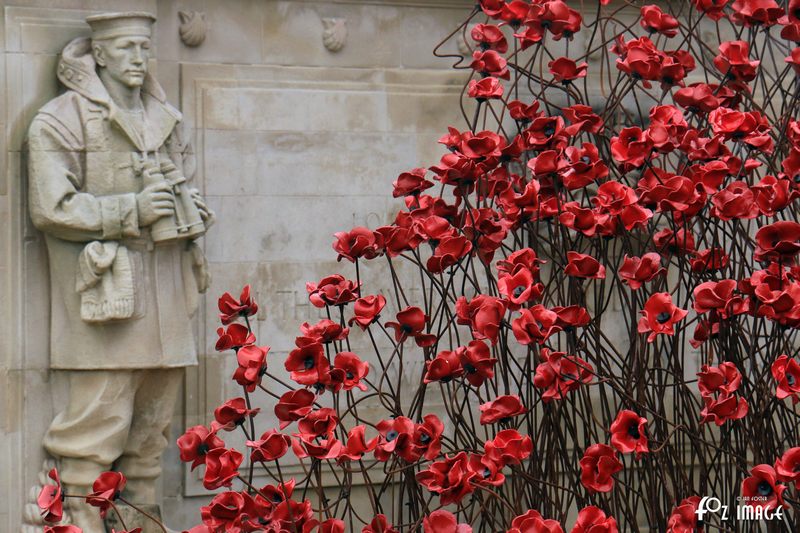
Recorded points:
(674,242)
(656,21)
(709,260)
(357,445)
(450,478)
(636,271)
(487,472)
(196,442)
(270,447)
(533,521)
(443,368)
(584,266)
(294,405)
(722,409)
(252,362)
(356,243)
(779,241)
(723,379)
(367,310)
(560,374)
(50,499)
(227,510)
(734,61)
(698,98)
(598,465)
(594,520)
(234,337)
(629,433)
(483,314)
(683,518)
(233,413)
(412,183)
(583,118)
(477,362)
(485,89)
(536,324)
(411,322)
(442,521)
(762,489)
(489,36)
(660,316)
(230,308)
(396,436)
(786,372)
(332,290)
(720,297)
(787,466)
(508,447)
(489,63)
(501,409)
(631,147)
(566,70)
(756,12)
(379,524)
(222,465)
(519,288)
(106,489)
(354,370)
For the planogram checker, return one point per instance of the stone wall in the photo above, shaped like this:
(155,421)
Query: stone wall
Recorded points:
(294,142)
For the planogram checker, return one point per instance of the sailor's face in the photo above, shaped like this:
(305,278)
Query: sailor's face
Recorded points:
(125,59)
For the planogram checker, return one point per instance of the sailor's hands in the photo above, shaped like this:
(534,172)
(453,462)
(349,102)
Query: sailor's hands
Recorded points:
(155,201)
(205,213)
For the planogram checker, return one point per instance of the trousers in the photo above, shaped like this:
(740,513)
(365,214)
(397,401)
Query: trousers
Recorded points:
(116,418)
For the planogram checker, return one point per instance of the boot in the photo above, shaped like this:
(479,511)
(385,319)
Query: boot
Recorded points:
(83,515)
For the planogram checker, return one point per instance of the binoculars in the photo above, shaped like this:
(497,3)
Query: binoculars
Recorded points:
(185,222)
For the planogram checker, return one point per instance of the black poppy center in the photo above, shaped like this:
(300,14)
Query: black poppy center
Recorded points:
(518,291)
(764,489)
(633,431)
(405,328)
(391,435)
(469,369)
(790,379)
(425,438)
(549,131)
(202,449)
(663,317)
(308,363)
(350,375)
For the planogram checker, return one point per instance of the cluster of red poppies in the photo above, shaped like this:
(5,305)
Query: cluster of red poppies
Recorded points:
(106,490)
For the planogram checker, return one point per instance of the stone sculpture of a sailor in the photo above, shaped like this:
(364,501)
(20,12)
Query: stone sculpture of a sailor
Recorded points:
(109,174)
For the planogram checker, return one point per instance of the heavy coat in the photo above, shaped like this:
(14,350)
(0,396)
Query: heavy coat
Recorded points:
(83,178)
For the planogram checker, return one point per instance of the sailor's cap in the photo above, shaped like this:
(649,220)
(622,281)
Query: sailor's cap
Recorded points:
(113,25)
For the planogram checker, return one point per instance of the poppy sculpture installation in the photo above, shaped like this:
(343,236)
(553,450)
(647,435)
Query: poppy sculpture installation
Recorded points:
(607,300)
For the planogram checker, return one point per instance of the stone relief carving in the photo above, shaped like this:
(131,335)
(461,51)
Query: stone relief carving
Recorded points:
(193,28)
(334,34)
(109,174)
